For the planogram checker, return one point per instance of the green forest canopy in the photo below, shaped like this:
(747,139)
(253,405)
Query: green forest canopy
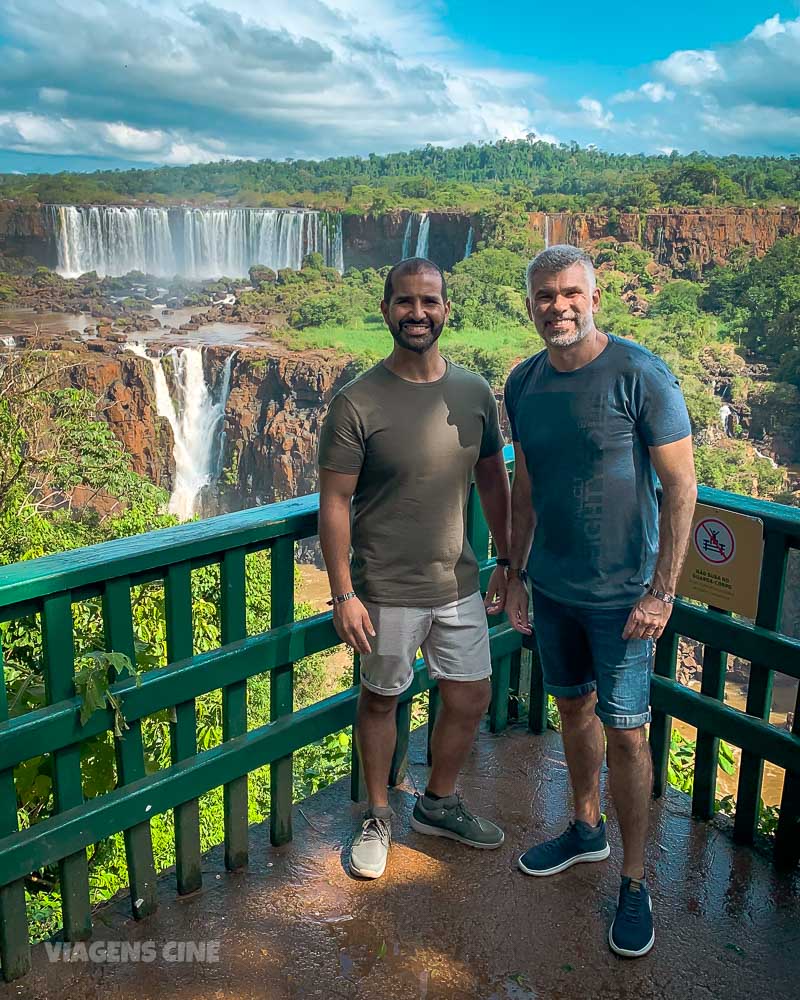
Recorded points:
(540,175)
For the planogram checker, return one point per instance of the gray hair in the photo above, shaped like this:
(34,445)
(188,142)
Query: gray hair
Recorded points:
(559,258)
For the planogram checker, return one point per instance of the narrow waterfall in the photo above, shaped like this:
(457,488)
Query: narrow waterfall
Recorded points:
(470,242)
(194,242)
(422,236)
(546,230)
(8,342)
(196,416)
(728,418)
(422,223)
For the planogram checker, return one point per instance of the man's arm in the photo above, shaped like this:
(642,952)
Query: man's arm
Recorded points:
(674,464)
(523,523)
(491,480)
(350,618)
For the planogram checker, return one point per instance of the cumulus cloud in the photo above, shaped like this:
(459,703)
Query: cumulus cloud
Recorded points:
(655,92)
(690,67)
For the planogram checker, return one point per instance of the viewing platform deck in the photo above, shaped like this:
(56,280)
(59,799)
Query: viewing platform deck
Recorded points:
(450,923)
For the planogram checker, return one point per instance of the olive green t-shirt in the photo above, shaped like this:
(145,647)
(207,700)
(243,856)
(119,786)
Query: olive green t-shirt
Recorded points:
(413,446)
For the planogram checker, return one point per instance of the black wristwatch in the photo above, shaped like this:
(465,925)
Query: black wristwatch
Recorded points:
(503,562)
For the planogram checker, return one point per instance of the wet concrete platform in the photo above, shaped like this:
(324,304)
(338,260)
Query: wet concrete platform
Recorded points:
(447,922)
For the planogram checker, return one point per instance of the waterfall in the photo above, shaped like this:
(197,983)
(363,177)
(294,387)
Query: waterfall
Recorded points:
(195,242)
(546,230)
(422,223)
(470,241)
(8,342)
(196,416)
(728,419)
(422,236)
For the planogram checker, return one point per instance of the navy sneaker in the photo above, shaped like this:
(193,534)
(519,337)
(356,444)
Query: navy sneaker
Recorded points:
(579,842)
(632,934)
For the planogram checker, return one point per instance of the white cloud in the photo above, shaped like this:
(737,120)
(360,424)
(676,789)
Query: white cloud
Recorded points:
(594,114)
(655,92)
(690,67)
(52,95)
(771,27)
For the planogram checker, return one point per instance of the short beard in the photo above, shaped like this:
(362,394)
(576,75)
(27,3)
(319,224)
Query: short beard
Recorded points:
(582,329)
(419,345)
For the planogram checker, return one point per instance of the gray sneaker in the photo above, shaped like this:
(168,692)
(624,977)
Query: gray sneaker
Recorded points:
(371,844)
(449,818)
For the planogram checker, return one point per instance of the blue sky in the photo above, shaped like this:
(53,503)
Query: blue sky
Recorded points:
(86,84)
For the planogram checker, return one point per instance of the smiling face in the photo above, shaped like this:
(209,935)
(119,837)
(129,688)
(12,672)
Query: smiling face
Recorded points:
(562,305)
(416,313)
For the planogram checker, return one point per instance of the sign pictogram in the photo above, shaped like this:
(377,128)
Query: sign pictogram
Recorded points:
(714,541)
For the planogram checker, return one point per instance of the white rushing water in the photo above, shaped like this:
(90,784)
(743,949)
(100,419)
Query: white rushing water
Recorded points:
(546,230)
(8,342)
(728,418)
(196,416)
(470,242)
(194,242)
(421,223)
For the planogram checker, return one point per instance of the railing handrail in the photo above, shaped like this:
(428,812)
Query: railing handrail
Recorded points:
(196,541)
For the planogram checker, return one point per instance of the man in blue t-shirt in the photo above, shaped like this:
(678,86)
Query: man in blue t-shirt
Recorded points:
(594,419)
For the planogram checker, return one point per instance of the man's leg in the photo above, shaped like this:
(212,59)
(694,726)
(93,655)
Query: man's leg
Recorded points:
(584,748)
(462,707)
(376,734)
(457,653)
(630,770)
(569,676)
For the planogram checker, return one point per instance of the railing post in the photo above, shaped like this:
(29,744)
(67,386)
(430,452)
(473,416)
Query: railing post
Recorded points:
(537,705)
(183,730)
(665,665)
(281,691)
(358,790)
(706,761)
(501,680)
(759,689)
(787,836)
(233,583)
(58,651)
(434,704)
(118,626)
(399,765)
(15,951)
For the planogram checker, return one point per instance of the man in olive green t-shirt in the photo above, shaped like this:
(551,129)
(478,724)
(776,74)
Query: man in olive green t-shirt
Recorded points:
(401,444)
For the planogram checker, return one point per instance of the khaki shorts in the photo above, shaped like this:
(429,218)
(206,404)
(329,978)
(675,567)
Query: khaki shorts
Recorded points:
(454,639)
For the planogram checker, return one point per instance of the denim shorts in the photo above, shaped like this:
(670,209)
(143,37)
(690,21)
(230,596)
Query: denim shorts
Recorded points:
(582,650)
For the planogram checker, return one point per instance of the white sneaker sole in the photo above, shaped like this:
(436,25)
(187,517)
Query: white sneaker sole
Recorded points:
(437,831)
(577,860)
(367,872)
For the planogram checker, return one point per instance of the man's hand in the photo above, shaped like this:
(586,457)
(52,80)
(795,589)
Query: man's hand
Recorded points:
(352,624)
(496,591)
(517,605)
(647,619)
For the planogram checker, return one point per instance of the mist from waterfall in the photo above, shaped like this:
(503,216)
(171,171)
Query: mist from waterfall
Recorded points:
(194,242)
(196,416)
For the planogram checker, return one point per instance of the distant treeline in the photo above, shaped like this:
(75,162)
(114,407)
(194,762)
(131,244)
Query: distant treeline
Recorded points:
(535,174)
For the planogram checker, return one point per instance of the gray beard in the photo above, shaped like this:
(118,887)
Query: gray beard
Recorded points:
(581,330)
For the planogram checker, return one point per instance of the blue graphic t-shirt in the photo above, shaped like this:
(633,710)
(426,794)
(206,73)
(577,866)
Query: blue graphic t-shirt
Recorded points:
(585,435)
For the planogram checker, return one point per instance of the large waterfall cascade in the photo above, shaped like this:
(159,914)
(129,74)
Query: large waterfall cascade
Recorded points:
(194,242)
(196,416)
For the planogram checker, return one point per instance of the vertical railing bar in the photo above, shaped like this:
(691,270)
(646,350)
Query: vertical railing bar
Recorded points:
(399,765)
(233,581)
(434,704)
(537,699)
(281,690)
(712,684)
(759,688)
(501,679)
(58,656)
(183,730)
(15,949)
(665,665)
(358,790)
(787,835)
(119,638)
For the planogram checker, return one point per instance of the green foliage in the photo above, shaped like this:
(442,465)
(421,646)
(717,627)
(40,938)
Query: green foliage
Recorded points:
(473,177)
(737,469)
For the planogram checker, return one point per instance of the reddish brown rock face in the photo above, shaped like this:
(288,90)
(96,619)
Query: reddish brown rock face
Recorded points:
(685,240)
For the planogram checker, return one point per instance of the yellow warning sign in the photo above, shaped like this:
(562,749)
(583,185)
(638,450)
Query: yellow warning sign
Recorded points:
(723,564)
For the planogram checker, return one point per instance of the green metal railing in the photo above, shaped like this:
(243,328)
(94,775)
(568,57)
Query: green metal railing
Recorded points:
(50,586)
